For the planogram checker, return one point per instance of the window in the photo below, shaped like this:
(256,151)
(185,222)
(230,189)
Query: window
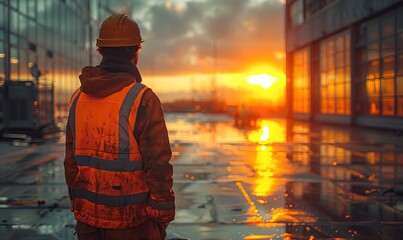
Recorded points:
(335,80)
(2,61)
(313,6)
(14,64)
(1,16)
(296,13)
(301,86)
(383,93)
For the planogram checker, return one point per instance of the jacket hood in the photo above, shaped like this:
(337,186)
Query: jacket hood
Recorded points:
(100,83)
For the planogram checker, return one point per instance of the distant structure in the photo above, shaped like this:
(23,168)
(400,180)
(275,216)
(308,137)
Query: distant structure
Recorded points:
(345,62)
(43,47)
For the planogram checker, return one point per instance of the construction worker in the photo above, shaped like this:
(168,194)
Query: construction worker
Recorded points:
(117,148)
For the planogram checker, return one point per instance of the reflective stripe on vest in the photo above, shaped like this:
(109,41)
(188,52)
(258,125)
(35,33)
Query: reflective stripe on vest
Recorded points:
(102,164)
(124,139)
(72,115)
(110,201)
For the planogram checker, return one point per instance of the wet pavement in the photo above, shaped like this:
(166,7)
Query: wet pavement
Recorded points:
(278,180)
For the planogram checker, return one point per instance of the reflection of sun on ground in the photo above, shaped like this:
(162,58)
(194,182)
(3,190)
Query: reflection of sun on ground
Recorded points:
(285,215)
(267,167)
(269,131)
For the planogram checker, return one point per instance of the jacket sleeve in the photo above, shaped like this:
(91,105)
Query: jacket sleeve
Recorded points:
(70,166)
(155,149)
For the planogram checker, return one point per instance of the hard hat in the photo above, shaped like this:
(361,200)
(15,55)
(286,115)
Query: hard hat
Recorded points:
(119,31)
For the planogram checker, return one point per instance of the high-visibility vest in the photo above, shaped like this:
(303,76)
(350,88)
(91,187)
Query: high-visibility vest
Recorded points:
(109,190)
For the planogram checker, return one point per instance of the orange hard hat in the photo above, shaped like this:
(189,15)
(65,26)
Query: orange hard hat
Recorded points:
(119,31)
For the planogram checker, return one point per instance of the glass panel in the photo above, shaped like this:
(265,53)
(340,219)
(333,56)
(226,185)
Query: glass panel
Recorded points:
(330,48)
(31,8)
(373,31)
(23,26)
(373,51)
(347,73)
(32,31)
(340,106)
(13,21)
(323,106)
(340,43)
(388,106)
(340,57)
(335,72)
(400,106)
(399,85)
(41,36)
(400,65)
(340,91)
(388,67)
(323,49)
(388,87)
(296,13)
(374,106)
(347,39)
(14,39)
(331,91)
(388,47)
(340,75)
(23,6)
(1,15)
(348,90)
(348,106)
(400,42)
(2,61)
(331,77)
(24,68)
(14,64)
(301,81)
(388,26)
(400,22)
(331,107)
(373,70)
(373,88)
(41,11)
(14,4)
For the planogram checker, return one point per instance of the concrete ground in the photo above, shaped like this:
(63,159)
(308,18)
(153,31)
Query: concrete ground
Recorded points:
(278,180)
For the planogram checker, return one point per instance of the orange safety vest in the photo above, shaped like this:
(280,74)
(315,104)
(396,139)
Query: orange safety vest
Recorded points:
(109,190)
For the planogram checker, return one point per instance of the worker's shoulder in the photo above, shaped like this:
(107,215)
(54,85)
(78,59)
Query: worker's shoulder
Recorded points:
(149,97)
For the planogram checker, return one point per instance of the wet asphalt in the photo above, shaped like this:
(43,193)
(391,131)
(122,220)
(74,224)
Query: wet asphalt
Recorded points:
(274,179)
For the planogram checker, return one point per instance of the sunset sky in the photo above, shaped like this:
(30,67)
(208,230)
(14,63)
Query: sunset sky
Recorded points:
(188,43)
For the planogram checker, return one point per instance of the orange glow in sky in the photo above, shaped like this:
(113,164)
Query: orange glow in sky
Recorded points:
(237,59)
(263,80)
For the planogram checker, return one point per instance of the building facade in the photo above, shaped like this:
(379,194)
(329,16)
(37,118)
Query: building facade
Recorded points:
(345,62)
(54,38)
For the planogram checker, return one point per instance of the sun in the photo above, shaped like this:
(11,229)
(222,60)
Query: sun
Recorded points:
(264,80)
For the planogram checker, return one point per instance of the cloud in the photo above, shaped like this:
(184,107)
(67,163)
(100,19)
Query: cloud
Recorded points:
(194,36)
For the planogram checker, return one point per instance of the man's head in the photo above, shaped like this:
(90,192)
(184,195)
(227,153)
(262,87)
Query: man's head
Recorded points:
(119,34)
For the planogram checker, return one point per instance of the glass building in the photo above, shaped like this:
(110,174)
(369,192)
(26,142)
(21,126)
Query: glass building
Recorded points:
(56,38)
(345,62)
